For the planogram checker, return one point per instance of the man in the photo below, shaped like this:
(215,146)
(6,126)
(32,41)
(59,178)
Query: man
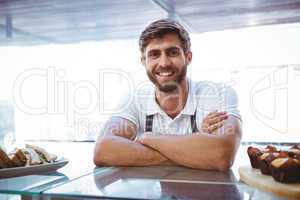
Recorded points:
(172,126)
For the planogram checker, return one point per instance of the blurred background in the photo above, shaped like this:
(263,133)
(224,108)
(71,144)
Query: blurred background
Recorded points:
(65,64)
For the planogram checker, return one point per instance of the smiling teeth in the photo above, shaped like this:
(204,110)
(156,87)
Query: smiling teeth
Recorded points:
(165,73)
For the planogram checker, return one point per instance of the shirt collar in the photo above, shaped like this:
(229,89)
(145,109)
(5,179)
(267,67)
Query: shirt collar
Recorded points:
(189,108)
(191,103)
(152,105)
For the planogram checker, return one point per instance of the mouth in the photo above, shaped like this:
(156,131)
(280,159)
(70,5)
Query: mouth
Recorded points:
(165,74)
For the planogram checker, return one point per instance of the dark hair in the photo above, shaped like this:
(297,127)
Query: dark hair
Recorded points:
(160,28)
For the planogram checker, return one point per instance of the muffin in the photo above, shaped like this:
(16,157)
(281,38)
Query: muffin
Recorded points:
(265,160)
(286,170)
(294,151)
(253,154)
(270,148)
(295,146)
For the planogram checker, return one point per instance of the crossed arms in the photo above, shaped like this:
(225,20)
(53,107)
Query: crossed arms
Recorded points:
(207,149)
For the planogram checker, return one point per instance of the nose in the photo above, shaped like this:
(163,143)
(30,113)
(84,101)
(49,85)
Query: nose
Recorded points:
(164,61)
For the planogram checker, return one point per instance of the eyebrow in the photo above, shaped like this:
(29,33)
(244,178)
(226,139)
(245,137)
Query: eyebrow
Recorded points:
(167,49)
(171,48)
(153,51)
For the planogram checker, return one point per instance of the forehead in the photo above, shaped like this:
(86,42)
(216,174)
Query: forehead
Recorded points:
(167,41)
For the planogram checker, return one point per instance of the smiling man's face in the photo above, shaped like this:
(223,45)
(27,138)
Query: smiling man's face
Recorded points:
(165,62)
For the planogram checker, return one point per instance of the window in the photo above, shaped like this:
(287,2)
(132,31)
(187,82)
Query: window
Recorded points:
(66,92)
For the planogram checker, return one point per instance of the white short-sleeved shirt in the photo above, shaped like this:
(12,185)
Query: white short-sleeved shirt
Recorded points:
(203,98)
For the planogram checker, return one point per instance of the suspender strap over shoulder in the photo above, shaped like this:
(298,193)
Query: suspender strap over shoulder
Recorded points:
(193,123)
(149,123)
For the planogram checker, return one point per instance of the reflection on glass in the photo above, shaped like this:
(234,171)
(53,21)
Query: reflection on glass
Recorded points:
(27,184)
(133,188)
(9,197)
(123,183)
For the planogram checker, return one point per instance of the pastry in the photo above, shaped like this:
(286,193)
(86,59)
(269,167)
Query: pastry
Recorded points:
(253,154)
(286,170)
(265,160)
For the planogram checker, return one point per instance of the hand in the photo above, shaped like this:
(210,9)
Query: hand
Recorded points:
(213,121)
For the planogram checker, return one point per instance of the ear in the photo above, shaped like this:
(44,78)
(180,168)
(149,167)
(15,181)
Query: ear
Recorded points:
(189,57)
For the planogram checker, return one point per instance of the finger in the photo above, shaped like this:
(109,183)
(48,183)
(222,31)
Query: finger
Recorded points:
(215,114)
(204,126)
(217,119)
(211,114)
(204,129)
(215,126)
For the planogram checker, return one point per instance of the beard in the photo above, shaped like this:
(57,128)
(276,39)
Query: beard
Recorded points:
(169,86)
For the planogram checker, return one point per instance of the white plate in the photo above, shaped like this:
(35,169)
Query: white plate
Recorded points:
(34,169)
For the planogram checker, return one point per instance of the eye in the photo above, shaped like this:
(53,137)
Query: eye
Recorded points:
(173,52)
(153,54)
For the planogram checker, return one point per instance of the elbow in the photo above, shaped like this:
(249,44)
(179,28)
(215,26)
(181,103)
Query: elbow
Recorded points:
(228,149)
(98,160)
(100,157)
(225,165)
(226,159)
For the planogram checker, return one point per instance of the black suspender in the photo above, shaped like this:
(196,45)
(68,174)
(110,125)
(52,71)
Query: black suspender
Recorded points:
(149,123)
(193,123)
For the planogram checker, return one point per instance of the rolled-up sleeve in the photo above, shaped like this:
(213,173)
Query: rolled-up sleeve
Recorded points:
(127,109)
(230,101)
(216,97)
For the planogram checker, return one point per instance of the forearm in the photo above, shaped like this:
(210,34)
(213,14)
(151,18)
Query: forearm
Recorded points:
(119,151)
(201,151)
(196,151)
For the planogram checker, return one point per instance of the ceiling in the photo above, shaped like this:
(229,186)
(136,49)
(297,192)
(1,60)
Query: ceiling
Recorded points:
(37,22)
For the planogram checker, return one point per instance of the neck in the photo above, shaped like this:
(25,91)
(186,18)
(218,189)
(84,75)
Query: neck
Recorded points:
(173,102)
